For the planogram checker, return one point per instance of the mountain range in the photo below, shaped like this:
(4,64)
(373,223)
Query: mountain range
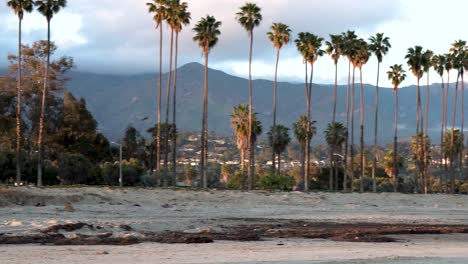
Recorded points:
(117,101)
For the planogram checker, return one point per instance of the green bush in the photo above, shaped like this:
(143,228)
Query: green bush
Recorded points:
(75,169)
(131,172)
(235,182)
(277,182)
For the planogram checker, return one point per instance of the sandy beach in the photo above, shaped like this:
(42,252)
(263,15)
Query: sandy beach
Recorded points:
(26,211)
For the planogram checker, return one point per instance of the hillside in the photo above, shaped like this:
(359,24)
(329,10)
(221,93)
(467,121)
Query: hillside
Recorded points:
(117,101)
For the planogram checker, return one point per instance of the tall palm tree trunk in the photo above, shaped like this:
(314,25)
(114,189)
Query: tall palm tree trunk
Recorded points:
(442,133)
(279,163)
(251,143)
(18,107)
(352,130)
(275,90)
(418,157)
(446,169)
(43,106)
(345,177)
(309,121)
(426,164)
(306,149)
(333,121)
(174,113)
(395,143)
(204,147)
(376,124)
(452,176)
(158,136)
(462,150)
(168,96)
(361,115)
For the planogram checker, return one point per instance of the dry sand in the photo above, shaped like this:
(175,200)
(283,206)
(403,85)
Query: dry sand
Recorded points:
(159,210)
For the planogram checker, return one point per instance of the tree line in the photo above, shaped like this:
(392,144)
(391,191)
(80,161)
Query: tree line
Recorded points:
(357,52)
(339,136)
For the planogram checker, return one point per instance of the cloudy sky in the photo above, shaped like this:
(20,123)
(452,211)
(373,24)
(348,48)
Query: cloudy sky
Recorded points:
(109,36)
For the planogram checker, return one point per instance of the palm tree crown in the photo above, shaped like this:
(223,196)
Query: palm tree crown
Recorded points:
(207,33)
(279,35)
(309,45)
(179,16)
(300,129)
(50,7)
(396,75)
(158,7)
(249,16)
(335,47)
(379,45)
(438,62)
(362,53)
(21,6)
(415,59)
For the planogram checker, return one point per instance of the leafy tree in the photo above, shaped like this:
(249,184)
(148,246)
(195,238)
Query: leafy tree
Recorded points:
(133,144)
(19,7)
(249,17)
(392,166)
(206,35)
(379,45)
(279,139)
(74,169)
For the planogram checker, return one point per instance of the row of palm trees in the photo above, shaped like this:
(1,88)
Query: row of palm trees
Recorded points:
(48,8)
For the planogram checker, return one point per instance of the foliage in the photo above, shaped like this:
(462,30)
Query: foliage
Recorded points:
(278,138)
(75,169)
(277,182)
(388,163)
(131,172)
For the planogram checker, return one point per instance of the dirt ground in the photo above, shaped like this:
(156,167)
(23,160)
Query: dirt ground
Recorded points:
(229,227)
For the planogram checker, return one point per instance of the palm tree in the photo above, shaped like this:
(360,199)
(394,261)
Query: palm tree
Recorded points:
(249,17)
(452,147)
(19,7)
(427,64)
(335,50)
(309,45)
(180,18)
(240,126)
(206,35)
(335,136)
(396,75)
(438,63)
(415,61)
(47,8)
(279,36)
(362,57)
(349,39)
(458,50)
(379,46)
(158,8)
(279,139)
(303,130)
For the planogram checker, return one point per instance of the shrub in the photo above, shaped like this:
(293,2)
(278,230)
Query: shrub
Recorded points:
(277,182)
(131,172)
(74,169)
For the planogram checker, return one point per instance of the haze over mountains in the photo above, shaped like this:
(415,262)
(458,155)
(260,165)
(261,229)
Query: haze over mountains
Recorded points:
(117,101)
